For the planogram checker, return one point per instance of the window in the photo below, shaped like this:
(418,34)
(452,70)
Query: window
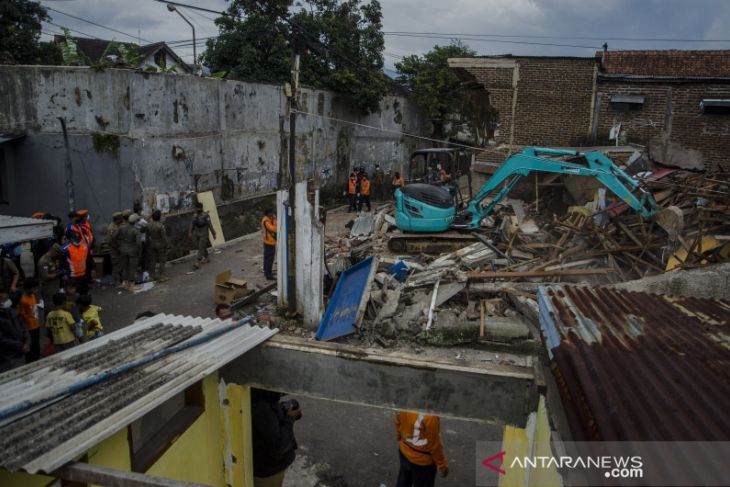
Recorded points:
(713,106)
(152,434)
(161,59)
(627,103)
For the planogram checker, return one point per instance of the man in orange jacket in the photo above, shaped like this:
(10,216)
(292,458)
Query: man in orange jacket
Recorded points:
(268,231)
(364,192)
(352,190)
(420,449)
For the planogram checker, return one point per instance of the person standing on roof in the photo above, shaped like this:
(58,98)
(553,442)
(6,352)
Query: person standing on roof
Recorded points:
(200,225)
(420,449)
(268,231)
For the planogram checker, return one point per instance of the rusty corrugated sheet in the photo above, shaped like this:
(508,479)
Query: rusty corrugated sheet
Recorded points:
(639,366)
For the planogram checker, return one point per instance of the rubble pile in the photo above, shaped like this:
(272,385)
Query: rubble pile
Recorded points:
(470,293)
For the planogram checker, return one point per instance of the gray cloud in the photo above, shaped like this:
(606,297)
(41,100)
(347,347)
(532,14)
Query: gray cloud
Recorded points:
(698,19)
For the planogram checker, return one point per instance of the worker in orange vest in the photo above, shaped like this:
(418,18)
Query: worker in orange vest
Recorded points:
(268,230)
(420,449)
(76,252)
(79,222)
(398,182)
(364,192)
(352,190)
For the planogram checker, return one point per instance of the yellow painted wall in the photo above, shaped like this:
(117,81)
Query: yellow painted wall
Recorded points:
(222,432)
(196,455)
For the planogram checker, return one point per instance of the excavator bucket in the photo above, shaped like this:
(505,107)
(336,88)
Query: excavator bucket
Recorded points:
(671,219)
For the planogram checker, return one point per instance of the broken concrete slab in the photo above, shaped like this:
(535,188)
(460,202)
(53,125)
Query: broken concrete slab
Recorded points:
(391,300)
(505,329)
(448,291)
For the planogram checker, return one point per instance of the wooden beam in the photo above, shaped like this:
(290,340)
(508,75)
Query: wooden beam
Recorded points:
(110,477)
(481,276)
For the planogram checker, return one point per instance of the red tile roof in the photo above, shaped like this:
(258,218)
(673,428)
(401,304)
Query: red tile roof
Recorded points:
(711,64)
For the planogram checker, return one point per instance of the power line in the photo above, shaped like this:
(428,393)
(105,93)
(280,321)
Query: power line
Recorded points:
(475,39)
(380,129)
(97,25)
(71,30)
(194,7)
(529,36)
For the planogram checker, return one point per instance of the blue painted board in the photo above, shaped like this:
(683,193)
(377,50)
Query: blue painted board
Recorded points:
(347,301)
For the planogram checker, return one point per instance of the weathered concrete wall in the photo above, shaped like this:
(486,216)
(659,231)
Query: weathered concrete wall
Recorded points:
(160,138)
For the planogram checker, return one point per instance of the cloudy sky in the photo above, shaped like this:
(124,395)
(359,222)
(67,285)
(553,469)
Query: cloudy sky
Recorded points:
(541,27)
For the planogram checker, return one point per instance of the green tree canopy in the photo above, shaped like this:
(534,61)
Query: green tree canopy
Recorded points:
(435,87)
(341,45)
(20,31)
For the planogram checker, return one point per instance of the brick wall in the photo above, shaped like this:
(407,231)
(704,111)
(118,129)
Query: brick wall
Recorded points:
(553,105)
(671,111)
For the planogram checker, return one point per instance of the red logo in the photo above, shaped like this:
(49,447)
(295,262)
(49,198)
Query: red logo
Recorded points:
(497,468)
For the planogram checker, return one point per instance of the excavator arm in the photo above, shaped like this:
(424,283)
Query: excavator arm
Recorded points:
(530,159)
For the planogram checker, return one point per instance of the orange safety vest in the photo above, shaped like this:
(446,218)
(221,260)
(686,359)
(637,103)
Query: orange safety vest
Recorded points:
(76,258)
(419,439)
(86,229)
(365,187)
(351,186)
(268,229)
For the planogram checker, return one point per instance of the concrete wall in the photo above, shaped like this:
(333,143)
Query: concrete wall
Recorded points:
(160,138)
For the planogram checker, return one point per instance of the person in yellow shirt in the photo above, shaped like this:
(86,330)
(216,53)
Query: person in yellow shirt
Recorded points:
(268,231)
(90,315)
(28,312)
(61,324)
(420,449)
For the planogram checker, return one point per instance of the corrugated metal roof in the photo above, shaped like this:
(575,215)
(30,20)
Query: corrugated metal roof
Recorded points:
(20,229)
(639,366)
(94,389)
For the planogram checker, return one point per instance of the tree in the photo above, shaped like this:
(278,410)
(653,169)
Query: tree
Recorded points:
(341,45)
(20,31)
(436,88)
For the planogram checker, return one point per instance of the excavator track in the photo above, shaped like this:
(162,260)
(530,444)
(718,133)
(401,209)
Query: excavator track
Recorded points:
(428,243)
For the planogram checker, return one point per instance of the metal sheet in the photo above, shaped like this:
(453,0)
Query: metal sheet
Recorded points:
(345,309)
(19,229)
(363,225)
(639,366)
(45,438)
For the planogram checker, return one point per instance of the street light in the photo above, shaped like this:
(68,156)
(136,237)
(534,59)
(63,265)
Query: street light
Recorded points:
(172,8)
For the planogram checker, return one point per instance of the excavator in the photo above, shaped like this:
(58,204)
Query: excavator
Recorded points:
(429,209)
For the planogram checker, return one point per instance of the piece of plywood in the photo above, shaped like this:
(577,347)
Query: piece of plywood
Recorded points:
(206,198)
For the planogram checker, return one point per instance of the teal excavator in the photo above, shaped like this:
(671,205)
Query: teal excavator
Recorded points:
(427,208)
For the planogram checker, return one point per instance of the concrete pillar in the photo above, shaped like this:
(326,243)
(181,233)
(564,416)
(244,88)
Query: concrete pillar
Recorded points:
(282,197)
(310,257)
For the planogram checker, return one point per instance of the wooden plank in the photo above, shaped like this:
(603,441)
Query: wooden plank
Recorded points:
(110,477)
(481,276)
(206,198)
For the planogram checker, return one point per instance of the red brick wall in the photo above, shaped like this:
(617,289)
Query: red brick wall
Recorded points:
(686,124)
(553,99)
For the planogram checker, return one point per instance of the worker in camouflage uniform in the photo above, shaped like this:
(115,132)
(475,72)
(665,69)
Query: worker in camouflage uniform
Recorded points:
(111,230)
(200,225)
(127,238)
(157,246)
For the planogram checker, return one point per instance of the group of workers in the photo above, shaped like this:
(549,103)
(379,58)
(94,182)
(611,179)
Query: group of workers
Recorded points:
(360,187)
(54,296)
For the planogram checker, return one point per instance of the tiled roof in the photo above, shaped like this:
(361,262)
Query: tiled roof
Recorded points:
(674,63)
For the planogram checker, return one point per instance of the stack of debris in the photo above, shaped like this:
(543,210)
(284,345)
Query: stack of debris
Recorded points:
(472,292)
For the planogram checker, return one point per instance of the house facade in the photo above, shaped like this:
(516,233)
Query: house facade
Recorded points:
(677,103)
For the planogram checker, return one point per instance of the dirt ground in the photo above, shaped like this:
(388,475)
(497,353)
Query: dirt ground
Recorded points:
(339,444)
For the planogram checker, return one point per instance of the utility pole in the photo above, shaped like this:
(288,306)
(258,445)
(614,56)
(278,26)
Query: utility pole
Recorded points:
(69,168)
(291,227)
